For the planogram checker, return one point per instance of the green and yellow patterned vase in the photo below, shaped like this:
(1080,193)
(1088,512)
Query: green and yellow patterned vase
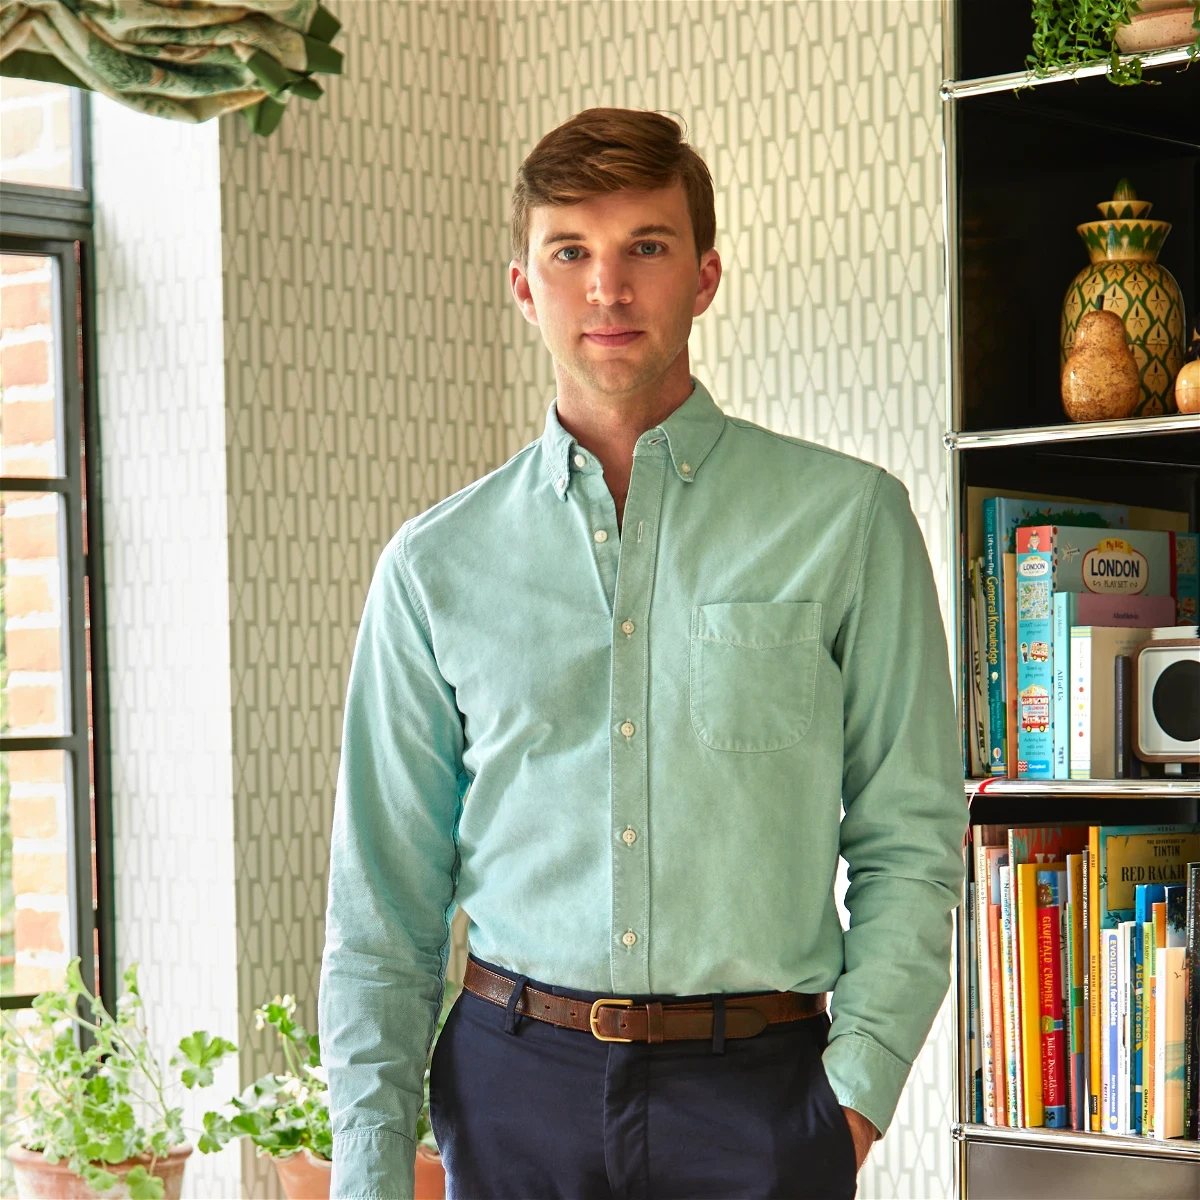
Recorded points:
(1125,277)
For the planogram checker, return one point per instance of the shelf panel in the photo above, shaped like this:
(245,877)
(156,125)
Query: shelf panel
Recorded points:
(1073,432)
(1071,1139)
(1084,788)
(957,89)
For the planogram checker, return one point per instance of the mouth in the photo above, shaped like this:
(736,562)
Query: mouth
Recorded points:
(614,339)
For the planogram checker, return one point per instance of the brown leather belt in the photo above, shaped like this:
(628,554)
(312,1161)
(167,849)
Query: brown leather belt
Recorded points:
(617,1020)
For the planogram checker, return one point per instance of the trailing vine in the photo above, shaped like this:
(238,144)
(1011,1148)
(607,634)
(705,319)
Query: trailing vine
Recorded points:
(1075,33)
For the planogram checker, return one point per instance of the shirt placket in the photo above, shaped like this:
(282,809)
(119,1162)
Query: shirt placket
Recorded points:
(628,720)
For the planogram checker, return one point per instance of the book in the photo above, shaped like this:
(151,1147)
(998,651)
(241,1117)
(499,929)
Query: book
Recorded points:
(1110,951)
(1133,854)
(1075,1018)
(1028,848)
(1145,895)
(1148,1035)
(1129,562)
(977,727)
(996,859)
(1191,1006)
(1124,953)
(1172,969)
(1001,515)
(1094,649)
(1048,970)
(989,842)
(1012,1048)
(974,1040)
(1035,667)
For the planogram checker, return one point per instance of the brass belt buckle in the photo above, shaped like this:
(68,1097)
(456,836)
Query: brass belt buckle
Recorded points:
(592,1019)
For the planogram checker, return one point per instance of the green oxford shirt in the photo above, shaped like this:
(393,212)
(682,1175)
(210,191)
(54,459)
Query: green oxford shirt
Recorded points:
(625,752)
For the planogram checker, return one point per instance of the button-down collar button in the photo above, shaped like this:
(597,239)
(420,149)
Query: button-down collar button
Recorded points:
(629,837)
(629,937)
(562,483)
(600,535)
(685,468)
(579,460)
(627,728)
(627,627)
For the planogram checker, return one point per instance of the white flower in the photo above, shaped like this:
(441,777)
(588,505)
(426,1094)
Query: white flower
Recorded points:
(320,1073)
(260,1019)
(289,1003)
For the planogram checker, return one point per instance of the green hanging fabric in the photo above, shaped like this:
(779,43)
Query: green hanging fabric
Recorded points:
(188,61)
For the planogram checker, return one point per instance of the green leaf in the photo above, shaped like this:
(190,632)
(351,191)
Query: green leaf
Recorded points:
(143,1185)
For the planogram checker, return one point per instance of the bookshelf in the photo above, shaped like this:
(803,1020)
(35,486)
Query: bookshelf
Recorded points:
(1021,168)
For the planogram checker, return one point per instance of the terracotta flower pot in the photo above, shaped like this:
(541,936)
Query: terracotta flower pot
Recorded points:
(304,1176)
(39,1180)
(430,1182)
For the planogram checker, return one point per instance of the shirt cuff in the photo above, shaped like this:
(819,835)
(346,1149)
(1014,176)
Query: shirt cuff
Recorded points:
(372,1164)
(865,1077)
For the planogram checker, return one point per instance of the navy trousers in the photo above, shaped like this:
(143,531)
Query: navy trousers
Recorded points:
(525,1110)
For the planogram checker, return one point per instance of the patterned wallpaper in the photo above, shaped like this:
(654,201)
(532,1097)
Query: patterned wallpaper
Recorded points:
(374,362)
(159,346)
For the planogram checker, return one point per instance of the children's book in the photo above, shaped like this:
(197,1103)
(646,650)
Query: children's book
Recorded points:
(1001,517)
(1133,854)
(1012,1046)
(1191,1006)
(1145,895)
(1075,1019)
(1048,969)
(1094,649)
(989,842)
(1110,954)
(1038,845)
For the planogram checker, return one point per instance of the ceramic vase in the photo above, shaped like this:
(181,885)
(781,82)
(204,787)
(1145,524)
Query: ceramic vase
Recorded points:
(1124,277)
(37,1179)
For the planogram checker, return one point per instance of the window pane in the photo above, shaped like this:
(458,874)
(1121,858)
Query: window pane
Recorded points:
(36,132)
(30,357)
(35,924)
(34,688)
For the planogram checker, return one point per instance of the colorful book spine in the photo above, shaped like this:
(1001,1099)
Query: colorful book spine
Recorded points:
(1012,1048)
(1035,667)
(1110,953)
(1148,1034)
(1049,1009)
(1000,1070)
(1191,1007)
(1145,895)
(1028,994)
(974,1038)
(1060,657)
(1080,753)
(1076,1019)
(994,646)
(1171,986)
(1095,1000)
(982,967)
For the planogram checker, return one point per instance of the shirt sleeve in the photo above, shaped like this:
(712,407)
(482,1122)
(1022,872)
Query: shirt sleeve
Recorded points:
(392,875)
(905,812)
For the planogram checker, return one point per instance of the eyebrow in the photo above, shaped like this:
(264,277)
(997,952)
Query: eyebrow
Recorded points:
(640,231)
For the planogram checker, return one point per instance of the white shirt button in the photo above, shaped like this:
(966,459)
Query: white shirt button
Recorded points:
(600,535)
(629,837)
(627,627)
(629,937)
(562,482)
(579,460)
(685,468)
(627,728)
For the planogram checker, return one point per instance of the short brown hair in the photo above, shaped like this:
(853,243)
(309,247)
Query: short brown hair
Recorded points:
(606,150)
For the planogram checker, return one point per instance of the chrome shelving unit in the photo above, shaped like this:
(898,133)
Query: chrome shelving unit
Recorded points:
(1002,1163)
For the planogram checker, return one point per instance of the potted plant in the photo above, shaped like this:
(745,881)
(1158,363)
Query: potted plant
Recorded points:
(286,1114)
(100,1118)
(1073,33)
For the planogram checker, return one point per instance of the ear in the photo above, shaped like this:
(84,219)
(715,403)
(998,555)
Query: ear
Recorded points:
(710,277)
(518,281)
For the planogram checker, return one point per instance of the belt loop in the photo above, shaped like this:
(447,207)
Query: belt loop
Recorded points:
(511,1016)
(718,1042)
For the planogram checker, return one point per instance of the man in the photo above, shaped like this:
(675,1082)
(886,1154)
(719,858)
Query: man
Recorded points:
(610,700)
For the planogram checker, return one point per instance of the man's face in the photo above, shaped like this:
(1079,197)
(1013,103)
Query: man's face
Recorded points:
(621,261)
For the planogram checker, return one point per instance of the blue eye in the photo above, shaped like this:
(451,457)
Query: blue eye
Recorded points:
(659,245)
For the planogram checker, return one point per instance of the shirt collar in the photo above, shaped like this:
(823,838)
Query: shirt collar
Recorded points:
(691,432)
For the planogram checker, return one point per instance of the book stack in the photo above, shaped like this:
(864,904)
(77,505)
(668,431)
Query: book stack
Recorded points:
(1063,592)
(1085,978)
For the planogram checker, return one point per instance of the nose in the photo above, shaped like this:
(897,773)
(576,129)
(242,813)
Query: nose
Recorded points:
(608,283)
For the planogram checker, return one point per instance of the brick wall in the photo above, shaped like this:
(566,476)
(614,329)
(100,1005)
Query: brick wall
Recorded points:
(34,919)
(35,133)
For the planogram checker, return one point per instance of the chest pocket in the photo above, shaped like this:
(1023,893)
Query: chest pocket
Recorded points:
(752,673)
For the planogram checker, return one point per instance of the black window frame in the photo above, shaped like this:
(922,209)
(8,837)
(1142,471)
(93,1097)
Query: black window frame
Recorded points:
(58,223)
